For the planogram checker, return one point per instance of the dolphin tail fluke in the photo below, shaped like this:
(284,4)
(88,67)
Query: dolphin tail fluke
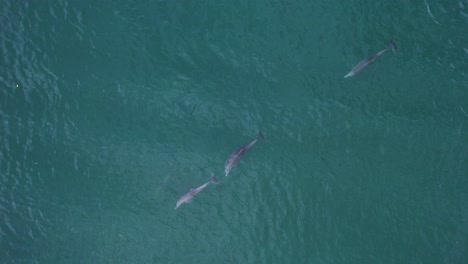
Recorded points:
(214,180)
(392,45)
(260,135)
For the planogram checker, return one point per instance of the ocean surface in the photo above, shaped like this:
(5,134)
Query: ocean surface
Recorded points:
(111,110)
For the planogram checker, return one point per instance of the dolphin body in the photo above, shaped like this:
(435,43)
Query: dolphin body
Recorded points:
(234,158)
(364,63)
(187,197)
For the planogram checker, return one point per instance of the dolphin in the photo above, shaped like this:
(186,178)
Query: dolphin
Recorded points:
(364,63)
(187,197)
(234,158)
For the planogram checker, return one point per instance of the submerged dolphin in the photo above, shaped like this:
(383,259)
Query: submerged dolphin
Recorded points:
(186,198)
(234,158)
(364,63)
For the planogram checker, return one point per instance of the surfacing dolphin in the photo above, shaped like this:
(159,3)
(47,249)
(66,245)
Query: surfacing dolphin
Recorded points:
(234,158)
(364,63)
(186,198)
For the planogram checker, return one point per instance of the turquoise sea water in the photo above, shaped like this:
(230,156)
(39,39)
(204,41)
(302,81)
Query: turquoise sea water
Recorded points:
(123,106)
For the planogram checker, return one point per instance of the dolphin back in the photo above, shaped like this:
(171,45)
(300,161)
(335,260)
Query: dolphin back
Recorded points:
(186,198)
(364,63)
